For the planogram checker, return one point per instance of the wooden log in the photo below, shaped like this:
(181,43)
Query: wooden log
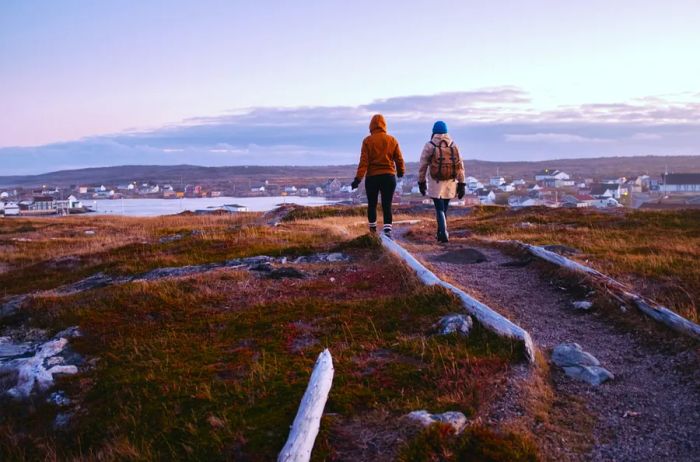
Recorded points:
(618,290)
(484,314)
(308,419)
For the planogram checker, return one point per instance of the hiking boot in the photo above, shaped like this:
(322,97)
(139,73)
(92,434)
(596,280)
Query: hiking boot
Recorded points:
(387,233)
(442,238)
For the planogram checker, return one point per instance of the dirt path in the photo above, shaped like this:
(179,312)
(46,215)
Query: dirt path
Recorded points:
(649,412)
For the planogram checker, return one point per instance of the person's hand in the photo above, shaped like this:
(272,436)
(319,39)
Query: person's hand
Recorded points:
(460,190)
(355,183)
(422,187)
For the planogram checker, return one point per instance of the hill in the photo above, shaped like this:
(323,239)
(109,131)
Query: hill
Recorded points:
(585,167)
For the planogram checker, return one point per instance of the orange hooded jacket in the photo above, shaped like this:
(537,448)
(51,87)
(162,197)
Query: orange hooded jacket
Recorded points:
(380,152)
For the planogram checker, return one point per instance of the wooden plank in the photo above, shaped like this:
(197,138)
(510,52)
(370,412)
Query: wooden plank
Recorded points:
(618,290)
(484,314)
(308,419)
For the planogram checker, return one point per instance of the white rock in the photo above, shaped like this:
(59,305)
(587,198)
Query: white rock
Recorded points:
(31,371)
(460,323)
(584,305)
(456,420)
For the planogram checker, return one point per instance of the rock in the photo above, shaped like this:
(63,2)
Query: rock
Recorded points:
(583,305)
(69,333)
(62,420)
(262,267)
(12,305)
(171,238)
(8,349)
(571,354)
(58,398)
(32,371)
(286,272)
(336,256)
(594,375)
(90,232)
(460,323)
(580,365)
(462,256)
(456,420)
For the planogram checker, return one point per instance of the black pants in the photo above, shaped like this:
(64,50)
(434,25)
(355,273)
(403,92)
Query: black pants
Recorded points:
(441,206)
(386,185)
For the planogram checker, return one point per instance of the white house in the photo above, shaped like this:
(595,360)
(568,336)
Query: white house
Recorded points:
(507,187)
(304,191)
(346,188)
(260,189)
(604,203)
(497,180)
(73,202)
(606,190)
(4,195)
(524,201)
(680,183)
(11,209)
(473,184)
(290,189)
(486,196)
(549,174)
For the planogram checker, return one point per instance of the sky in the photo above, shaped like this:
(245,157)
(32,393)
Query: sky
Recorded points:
(225,82)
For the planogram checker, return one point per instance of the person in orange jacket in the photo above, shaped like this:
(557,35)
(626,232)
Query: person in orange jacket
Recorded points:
(382,162)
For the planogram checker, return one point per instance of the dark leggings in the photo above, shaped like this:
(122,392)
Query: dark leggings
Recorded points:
(386,184)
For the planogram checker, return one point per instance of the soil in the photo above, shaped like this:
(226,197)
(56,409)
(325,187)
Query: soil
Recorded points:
(649,412)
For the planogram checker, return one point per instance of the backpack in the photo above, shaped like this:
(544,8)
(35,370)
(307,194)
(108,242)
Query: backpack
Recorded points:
(444,161)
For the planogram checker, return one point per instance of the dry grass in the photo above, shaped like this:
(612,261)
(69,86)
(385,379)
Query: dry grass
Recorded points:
(657,252)
(212,367)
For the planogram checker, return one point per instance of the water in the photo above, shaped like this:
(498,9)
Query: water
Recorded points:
(156,207)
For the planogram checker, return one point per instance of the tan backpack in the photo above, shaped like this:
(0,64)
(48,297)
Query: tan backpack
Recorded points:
(444,161)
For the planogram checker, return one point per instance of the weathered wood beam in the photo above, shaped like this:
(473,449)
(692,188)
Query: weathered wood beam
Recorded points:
(308,419)
(617,289)
(484,314)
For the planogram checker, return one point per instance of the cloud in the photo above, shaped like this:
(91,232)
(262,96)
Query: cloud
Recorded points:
(492,124)
(552,138)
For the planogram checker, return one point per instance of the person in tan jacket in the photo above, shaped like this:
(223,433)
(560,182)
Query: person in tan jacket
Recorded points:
(382,162)
(441,175)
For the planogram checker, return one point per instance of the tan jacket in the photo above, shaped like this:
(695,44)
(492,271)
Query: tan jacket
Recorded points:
(445,189)
(380,152)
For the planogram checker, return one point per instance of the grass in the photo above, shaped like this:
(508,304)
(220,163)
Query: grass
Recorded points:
(212,367)
(657,252)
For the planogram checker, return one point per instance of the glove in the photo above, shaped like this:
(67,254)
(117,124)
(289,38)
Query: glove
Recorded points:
(399,175)
(460,190)
(355,183)
(422,187)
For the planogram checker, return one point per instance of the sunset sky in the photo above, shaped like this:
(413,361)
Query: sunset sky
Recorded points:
(215,82)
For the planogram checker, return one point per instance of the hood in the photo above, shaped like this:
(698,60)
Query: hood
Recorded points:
(436,138)
(377,124)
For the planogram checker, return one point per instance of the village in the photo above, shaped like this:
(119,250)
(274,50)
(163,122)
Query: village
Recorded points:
(546,188)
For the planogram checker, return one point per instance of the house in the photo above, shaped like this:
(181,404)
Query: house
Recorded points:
(11,209)
(550,174)
(258,189)
(303,191)
(507,187)
(4,195)
(604,203)
(290,190)
(524,201)
(473,184)
(332,186)
(571,201)
(486,196)
(82,189)
(606,190)
(346,188)
(682,183)
(216,193)
(497,180)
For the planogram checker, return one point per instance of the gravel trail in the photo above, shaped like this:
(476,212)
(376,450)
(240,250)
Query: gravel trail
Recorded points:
(649,412)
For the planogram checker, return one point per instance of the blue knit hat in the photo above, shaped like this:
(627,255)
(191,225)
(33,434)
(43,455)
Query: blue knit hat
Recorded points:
(439,128)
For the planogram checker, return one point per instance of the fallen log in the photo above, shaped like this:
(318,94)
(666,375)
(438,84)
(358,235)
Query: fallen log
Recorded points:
(616,289)
(484,314)
(308,419)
